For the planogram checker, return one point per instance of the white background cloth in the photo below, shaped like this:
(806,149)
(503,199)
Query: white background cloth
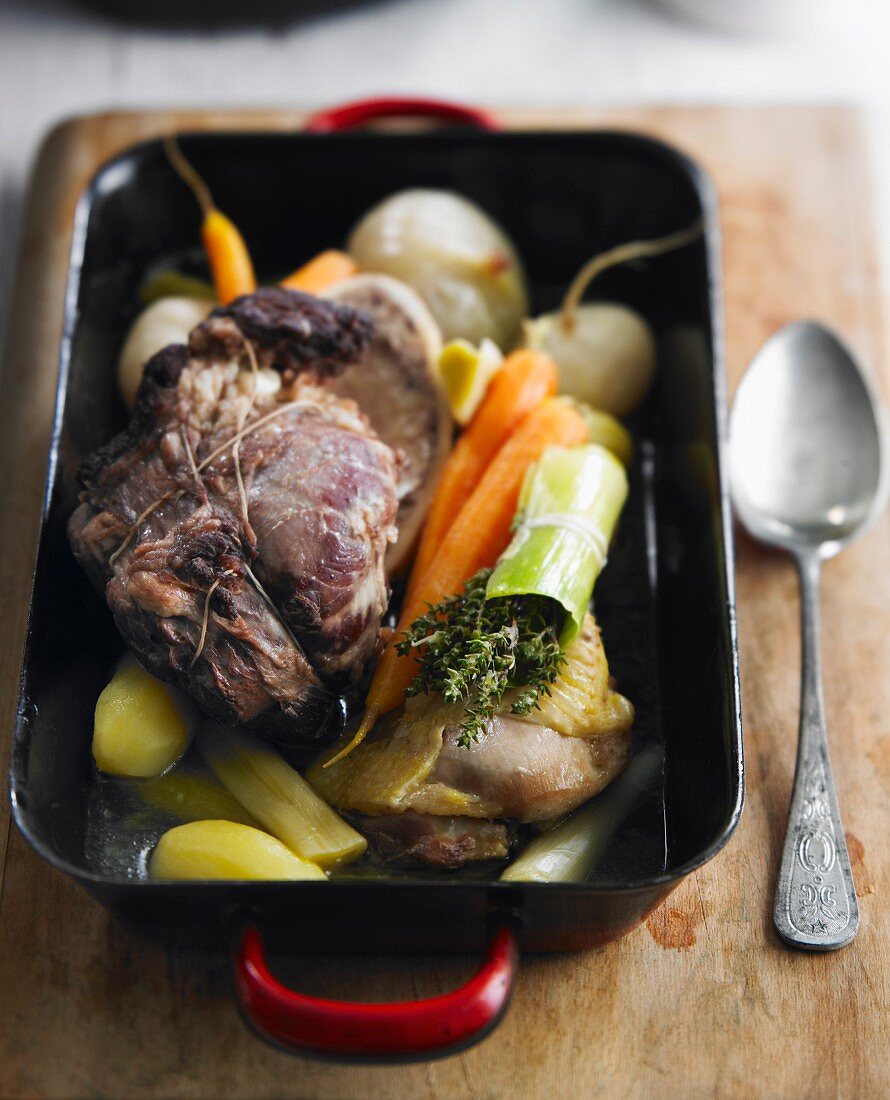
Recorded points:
(57,60)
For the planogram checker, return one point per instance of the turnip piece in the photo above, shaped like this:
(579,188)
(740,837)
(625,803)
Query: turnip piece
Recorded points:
(607,358)
(607,430)
(605,352)
(165,321)
(396,386)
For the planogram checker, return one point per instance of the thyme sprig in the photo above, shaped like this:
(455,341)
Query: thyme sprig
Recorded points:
(473,650)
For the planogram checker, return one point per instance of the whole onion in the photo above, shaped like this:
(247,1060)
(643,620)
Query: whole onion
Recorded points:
(451,252)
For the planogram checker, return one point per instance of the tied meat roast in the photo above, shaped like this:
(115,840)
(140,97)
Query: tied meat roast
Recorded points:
(238,526)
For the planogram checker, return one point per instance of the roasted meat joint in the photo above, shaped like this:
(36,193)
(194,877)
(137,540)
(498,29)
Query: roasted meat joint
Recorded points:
(238,526)
(352,554)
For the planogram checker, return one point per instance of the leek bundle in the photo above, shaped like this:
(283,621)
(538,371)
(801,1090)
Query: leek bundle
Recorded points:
(568,508)
(508,629)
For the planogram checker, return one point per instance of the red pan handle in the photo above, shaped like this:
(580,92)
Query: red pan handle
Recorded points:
(348,116)
(400,1030)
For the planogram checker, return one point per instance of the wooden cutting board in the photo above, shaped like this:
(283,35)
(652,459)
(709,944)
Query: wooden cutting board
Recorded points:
(702,1000)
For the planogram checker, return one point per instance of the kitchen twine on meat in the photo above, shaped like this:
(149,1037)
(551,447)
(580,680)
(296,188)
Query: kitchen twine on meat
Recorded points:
(206,617)
(234,442)
(584,528)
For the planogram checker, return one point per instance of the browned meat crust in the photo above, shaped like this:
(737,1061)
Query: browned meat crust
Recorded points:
(162,529)
(411,839)
(291,331)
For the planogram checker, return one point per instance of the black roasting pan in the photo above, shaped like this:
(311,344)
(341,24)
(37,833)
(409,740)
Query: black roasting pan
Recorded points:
(665,602)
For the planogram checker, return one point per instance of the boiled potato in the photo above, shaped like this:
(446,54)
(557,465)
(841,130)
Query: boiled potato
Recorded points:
(225,850)
(454,255)
(166,321)
(142,726)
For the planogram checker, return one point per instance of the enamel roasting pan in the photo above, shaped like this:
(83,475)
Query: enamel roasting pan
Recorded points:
(666,602)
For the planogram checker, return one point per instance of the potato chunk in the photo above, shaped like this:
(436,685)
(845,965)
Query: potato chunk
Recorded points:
(142,725)
(225,850)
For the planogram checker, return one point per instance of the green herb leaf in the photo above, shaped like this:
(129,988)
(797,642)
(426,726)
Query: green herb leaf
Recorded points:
(474,649)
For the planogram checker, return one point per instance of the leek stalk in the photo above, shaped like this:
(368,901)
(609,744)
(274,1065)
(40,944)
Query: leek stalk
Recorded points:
(568,508)
(278,797)
(173,284)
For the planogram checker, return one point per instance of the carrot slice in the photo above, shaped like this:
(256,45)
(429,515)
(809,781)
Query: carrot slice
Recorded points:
(228,257)
(524,380)
(324,270)
(478,536)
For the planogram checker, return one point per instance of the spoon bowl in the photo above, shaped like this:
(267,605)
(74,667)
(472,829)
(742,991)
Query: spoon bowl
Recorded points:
(807,475)
(805,453)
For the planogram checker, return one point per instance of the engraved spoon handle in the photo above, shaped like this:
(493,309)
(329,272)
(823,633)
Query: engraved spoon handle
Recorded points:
(815,906)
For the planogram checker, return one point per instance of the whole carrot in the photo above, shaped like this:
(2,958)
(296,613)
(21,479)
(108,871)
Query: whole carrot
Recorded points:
(476,539)
(227,254)
(322,271)
(526,378)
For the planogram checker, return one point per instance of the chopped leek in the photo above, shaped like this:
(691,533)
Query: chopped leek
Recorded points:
(190,797)
(278,796)
(568,509)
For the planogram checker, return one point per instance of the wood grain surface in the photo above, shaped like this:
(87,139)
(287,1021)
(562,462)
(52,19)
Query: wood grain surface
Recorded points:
(700,1001)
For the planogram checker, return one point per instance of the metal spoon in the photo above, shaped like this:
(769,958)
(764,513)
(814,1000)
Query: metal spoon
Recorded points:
(806,473)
